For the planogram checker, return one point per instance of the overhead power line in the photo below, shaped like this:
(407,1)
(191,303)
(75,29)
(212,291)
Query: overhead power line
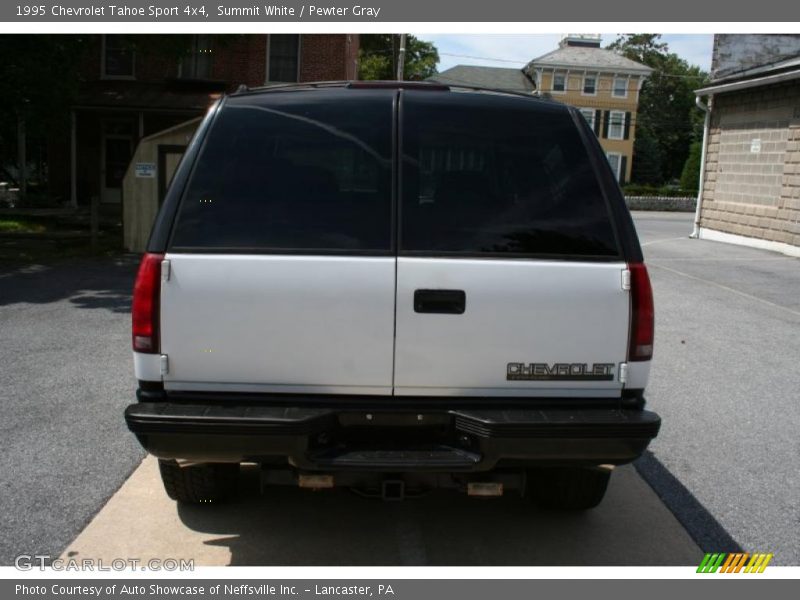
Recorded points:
(504,60)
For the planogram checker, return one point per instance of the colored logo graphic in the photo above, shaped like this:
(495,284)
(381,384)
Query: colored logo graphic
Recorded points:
(743,562)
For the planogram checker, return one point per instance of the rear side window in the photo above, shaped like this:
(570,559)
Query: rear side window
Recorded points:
(498,175)
(300,172)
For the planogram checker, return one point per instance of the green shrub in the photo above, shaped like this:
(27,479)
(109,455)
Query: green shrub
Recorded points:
(690,176)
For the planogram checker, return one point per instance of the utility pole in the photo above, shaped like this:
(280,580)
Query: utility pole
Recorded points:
(401,59)
(22,156)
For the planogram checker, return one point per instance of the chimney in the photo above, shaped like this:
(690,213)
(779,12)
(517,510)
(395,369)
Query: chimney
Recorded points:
(581,40)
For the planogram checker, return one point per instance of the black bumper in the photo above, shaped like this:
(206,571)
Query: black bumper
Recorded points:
(392,439)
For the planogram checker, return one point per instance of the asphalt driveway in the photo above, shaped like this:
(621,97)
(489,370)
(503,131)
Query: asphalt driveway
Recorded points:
(726,381)
(65,378)
(724,378)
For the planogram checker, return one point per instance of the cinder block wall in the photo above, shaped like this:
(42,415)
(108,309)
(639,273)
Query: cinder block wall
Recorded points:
(752,176)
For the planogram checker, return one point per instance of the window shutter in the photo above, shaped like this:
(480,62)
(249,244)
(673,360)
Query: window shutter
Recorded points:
(606,119)
(627,133)
(623,168)
(598,117)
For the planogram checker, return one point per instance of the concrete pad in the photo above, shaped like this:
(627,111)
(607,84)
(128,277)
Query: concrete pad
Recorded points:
(289,526)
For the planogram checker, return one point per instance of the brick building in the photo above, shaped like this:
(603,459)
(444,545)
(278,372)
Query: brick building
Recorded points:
(750,188)
(133,86)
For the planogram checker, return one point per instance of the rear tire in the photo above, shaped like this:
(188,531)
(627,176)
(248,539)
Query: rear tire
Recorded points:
(567,488)
(199,484)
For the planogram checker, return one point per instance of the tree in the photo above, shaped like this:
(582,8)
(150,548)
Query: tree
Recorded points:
(690,178)
(667,103)
(40,78)
(641,47)
(647,159)
(378,57)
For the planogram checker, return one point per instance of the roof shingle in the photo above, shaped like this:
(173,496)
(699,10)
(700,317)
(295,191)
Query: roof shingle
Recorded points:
(512,80)
(588,58)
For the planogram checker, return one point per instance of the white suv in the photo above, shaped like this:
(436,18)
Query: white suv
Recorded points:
(393,287)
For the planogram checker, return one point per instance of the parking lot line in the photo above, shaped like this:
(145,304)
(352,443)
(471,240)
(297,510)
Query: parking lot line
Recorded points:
(725,287)
(661,241)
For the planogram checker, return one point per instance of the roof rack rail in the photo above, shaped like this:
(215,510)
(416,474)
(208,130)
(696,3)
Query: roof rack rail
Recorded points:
(243,89)
(407,85)
(381,84)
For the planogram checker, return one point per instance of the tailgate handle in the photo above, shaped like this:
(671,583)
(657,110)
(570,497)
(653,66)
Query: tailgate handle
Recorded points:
(447,302)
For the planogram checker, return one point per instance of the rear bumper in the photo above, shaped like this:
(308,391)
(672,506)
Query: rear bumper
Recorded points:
(391,439)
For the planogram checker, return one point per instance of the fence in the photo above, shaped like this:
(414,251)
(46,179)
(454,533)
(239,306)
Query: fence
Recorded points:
(675,204)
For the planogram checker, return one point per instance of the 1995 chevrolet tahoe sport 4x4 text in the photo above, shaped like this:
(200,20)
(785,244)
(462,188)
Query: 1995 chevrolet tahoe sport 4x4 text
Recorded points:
(393,287)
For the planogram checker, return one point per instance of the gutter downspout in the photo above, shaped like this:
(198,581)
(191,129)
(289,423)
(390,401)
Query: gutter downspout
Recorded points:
(706,108)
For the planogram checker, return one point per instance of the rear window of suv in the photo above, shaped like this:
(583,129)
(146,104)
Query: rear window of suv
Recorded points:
(498,176)
(293,171)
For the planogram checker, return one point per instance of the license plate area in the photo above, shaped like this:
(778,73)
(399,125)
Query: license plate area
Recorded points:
(373,419)
(393,430)
(407,436)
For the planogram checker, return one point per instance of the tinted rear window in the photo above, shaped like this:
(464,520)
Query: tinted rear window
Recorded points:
(498,175)
(297,171)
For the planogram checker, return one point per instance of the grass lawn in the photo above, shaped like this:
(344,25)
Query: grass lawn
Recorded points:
(28,241)
(20,226)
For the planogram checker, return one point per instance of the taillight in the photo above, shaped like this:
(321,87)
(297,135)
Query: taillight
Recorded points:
(640,346)
(146,293)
